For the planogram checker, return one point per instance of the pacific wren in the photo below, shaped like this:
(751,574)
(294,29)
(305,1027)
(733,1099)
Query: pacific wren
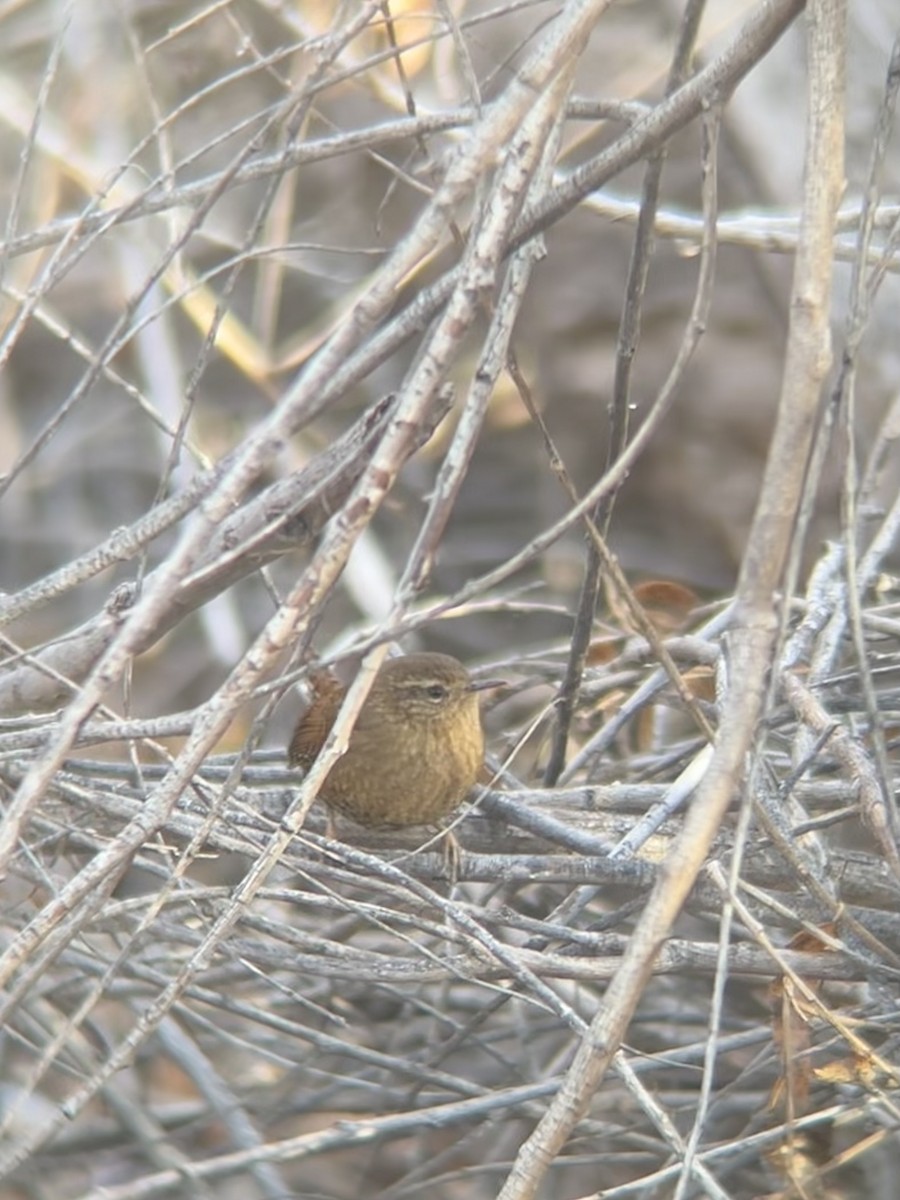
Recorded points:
(416,748)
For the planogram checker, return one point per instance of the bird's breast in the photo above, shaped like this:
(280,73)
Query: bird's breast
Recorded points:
(416,777)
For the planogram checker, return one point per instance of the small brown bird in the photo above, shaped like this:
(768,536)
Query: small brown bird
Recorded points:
(416,748)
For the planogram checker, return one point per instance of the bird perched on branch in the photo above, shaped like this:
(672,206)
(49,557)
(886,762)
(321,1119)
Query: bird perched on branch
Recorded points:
(417,746)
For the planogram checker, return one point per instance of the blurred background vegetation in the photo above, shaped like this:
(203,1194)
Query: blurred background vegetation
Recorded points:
(195,197)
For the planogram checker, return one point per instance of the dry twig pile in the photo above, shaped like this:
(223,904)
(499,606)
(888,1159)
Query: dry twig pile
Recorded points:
(328,326)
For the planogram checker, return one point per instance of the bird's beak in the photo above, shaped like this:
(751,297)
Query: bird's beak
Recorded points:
(483,685)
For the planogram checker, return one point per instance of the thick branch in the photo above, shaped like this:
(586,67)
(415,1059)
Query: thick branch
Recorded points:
(286,516)
(754,639)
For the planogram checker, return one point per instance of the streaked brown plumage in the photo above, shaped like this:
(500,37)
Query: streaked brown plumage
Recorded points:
(416,748)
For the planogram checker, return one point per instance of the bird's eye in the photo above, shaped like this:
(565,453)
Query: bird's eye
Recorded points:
(436,691)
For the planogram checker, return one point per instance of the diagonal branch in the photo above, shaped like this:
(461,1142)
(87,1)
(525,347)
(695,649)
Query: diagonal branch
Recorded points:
(286,516)
(756,623)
